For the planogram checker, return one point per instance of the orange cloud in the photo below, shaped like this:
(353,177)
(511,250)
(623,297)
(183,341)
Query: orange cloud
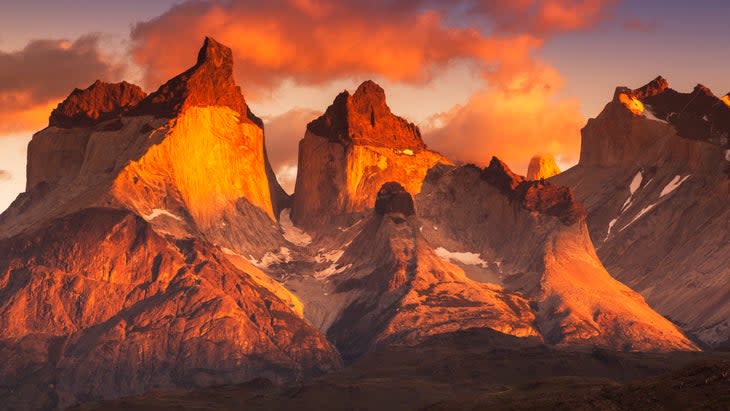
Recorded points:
(34,79)
(317,41)
(512,126)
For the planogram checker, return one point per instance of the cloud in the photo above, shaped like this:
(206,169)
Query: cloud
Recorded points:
(283,133)
(542,17)
(5,175)
(511,126)
(318,41)
(35,78)
(640,25)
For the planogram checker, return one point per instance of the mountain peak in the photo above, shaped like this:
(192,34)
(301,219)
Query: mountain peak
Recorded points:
(393,198)
(655,87)
(370,93)
(208,83)
(98,102)
(542,166)
(364,118)
(701,88)
(216,54)
(499,175)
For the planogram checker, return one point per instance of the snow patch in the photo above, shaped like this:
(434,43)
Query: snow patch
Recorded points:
(292,233)
(673,185)
(329,256)
(466,258)
(610,226)
(160,212)
(633,186)
(649,114)
(283,255)
(330,271)
(638,216)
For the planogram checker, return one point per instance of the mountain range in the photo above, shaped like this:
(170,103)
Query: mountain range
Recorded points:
(154,248)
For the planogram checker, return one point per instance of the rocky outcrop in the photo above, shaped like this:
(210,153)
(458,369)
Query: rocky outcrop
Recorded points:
(530,237)
(655,187)
(189,157)
(208,83)
(542,167)
(97,103)
(98,305)
(352,150)
(396,290)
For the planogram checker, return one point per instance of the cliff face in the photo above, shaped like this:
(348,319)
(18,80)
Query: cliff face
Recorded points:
(98,305)
(352,150)
(654,177)
(121,267)
(531,237)
(388,286)
(189,157)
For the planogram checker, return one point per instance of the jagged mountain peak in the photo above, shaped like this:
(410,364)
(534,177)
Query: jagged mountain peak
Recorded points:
(536,196)
(209,82)
(216,54)
(542,166)
(364,118)
(99,102)
(498,174)
(654,87)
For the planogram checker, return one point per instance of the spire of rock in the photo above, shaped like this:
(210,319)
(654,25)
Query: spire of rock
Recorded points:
(365,118)
(98,102)
(209,82)
(542,166)
(499,175)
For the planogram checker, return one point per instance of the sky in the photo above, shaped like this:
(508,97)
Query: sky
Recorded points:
(510,78)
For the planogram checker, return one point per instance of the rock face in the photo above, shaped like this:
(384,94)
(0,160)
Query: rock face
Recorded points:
(120,309)
(541,167)
(121,267)
(530,237)
(392,288)
(349,152)
(655,185)
(189,157)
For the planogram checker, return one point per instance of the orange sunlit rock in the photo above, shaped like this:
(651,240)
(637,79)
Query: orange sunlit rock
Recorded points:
(352,150)
(726,99)
(631,103)
(542,166)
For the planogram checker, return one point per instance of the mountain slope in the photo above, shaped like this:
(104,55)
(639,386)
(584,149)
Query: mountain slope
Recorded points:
(531,237)
(399,291)
(655,183)
(121,309)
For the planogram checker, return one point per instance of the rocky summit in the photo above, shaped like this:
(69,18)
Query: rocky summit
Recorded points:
(355,147)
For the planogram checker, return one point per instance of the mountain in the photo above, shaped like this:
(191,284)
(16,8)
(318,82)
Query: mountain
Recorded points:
(531,237)
(397,290)
(349,152)
(119,266)
(542,166)
(654,176)
(189,158)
